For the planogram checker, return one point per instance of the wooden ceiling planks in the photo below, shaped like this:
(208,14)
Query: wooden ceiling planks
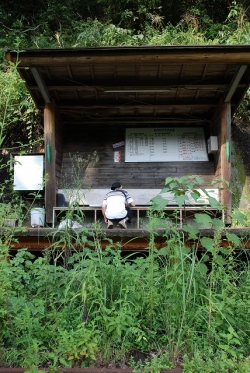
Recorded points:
(124,84)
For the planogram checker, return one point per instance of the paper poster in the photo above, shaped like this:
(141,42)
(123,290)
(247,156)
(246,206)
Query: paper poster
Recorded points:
(165,144)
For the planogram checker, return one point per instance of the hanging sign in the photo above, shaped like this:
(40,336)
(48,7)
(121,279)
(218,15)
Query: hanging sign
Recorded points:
(118,144)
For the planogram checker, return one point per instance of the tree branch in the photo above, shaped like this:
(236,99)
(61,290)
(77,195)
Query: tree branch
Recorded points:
(29,29)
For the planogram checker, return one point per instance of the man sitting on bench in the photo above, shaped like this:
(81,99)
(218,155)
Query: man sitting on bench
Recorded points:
(116,206)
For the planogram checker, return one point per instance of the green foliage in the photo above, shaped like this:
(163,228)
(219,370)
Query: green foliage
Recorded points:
(182,190)
(156,364)
(74,186)
(19,132)
(237,26)
(8,211)
(76,345)
(133,22)
(79,305)
(79,166)
(96,33)
(243,111)
(174,304)
(215,364)
(17,111)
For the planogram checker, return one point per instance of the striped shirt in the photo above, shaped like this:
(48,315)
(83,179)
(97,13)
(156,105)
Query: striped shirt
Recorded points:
(115,201)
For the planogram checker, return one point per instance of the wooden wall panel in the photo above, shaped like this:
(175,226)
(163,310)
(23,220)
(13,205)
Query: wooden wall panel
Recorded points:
(84,142)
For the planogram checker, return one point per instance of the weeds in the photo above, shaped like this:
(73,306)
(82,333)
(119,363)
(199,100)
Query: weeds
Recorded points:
(80,305)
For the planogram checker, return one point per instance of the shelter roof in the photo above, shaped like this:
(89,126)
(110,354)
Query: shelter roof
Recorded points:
(136,85)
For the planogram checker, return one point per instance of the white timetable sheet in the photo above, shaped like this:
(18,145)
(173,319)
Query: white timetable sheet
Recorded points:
(165,144)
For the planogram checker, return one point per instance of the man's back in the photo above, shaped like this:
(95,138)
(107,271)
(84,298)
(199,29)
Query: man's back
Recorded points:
(116,201)
(115,206)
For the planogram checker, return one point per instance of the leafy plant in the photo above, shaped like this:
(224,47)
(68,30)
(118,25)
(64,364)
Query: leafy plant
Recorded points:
(182,190)
(8,212)
(73,184)
(77,346)
(156,364)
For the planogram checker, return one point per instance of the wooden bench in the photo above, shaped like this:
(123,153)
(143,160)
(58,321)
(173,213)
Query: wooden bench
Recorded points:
(89,202)
(140,212)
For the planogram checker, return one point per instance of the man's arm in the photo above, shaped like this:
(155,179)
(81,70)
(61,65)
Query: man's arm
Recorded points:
(129,199)
(104,212)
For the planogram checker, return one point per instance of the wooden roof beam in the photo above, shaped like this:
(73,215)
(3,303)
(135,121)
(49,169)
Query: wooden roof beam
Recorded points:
(41,85)
(235,81)
(124,105)
(137,121)
(169,54)
(123,89)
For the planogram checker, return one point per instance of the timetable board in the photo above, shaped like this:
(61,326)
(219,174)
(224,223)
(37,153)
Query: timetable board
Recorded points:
(165,144)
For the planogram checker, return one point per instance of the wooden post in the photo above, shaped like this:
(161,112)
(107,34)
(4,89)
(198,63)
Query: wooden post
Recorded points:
(225,153)
(50,160)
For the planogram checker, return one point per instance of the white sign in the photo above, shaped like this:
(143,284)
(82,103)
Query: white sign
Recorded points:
(28,172)
(165,144)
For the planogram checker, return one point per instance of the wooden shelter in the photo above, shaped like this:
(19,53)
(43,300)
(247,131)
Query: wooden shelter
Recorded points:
(90,97)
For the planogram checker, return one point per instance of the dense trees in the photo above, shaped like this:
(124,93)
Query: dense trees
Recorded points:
(48,23)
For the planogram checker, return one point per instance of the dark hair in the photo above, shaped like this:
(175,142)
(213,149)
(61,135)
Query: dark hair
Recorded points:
(116,185)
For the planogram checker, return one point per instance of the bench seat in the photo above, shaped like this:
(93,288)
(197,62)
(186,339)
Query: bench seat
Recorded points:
(90,201)
(94,197)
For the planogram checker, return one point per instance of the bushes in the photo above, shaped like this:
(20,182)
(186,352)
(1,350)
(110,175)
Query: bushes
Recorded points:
(94,307)
(176,304)
(112,23)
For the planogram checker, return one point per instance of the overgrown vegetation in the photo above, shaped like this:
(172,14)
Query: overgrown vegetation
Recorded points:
(20,133)
(80,305)
(20,125)
(25,24)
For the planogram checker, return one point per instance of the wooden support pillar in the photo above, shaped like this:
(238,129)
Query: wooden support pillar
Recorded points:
(50,160)
(225,154)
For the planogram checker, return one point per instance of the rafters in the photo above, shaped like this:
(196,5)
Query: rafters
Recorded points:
(136,82)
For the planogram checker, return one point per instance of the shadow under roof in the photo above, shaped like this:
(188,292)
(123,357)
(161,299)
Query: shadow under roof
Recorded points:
(136,85)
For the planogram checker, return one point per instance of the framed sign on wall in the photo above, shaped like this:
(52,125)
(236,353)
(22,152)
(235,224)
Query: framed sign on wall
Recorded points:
(28,172)
(165,144)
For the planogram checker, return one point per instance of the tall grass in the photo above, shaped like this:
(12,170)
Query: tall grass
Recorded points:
(175,303)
